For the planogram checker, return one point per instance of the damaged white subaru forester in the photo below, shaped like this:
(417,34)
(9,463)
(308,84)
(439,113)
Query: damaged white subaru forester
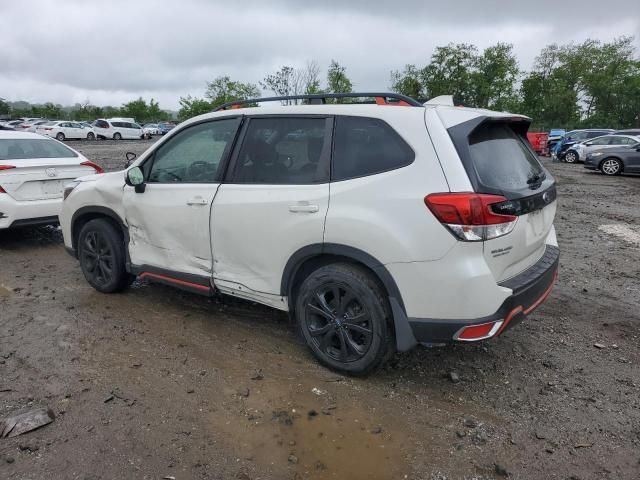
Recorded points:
(376,226)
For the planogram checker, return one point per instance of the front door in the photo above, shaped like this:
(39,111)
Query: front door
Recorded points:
(169,221)
(274,203)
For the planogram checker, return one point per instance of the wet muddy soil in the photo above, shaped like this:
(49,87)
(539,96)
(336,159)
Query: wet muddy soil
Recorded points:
(156,383)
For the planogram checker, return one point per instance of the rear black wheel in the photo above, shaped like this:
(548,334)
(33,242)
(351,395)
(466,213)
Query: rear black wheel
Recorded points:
(343,315)
(117,136)
(102,257)
(60,136)
(91,136)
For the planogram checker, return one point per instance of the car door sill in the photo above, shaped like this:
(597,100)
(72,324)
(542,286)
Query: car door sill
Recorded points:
(189,282)
(242,291)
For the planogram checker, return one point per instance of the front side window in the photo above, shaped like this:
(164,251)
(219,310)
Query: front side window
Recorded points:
(23,149)
(366,146)
(194,155)
(284,150)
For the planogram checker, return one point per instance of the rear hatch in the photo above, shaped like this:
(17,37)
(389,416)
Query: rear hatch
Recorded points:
(499,161)
(38,169)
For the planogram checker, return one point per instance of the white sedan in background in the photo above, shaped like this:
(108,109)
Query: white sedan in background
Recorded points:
(63,130)
(33,173)
(151,129)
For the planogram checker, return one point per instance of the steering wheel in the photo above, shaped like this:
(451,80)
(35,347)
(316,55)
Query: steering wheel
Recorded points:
(197,169)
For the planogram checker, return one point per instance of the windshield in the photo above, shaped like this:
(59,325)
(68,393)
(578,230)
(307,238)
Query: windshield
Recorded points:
(25,149)
(502,160)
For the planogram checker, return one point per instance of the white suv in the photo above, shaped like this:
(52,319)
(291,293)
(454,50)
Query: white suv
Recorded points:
(377,227)
(117,129)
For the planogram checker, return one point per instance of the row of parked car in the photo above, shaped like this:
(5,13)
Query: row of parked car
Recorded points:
(610,151)
(111,128)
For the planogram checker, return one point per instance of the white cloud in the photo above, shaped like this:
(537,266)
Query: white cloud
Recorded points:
(111,52)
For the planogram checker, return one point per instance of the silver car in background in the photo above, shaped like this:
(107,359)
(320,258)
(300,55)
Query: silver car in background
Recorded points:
(579,151)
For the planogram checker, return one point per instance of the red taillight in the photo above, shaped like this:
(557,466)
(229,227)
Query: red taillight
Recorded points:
(6,167)
(469,215)
(48,128)
(478,332)
(97,168)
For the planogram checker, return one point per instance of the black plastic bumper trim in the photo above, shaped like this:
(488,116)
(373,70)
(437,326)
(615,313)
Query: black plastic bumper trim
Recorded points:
(528,287)
(32,222)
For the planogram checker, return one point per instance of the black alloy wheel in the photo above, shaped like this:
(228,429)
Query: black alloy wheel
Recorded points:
(338,323)
(343,313)
(102,256)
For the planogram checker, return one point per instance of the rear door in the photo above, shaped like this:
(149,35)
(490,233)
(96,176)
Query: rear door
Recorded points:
(499,161)
(273,203)
(37,169)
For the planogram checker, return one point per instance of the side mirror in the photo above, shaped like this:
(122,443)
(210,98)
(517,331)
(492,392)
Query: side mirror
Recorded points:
(130,158)
(135,178)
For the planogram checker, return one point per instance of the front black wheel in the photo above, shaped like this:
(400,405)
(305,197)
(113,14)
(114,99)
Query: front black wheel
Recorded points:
(102,257)
(343,315)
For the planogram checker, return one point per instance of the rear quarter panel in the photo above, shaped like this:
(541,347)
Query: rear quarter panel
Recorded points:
(384,214)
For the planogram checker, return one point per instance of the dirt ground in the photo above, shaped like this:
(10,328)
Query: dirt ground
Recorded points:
(156,383)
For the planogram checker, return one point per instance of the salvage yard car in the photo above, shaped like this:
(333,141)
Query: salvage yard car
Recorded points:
(33,172)
(64,130)
(117,129)
(377,227)
(613,161)
(579,151)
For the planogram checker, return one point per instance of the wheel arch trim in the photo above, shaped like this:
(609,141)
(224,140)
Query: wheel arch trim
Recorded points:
(98,211)
(405,339)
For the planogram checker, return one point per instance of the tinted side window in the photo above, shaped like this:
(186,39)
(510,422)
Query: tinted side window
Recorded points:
(615,140)
(284,151)
(366,146)
(194,155)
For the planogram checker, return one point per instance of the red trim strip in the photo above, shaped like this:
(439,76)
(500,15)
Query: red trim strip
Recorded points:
(175,280)
(543,297)
(536,304)
(512,314)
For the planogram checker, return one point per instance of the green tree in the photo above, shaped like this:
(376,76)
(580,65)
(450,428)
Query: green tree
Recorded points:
(450,72)
(408,82)
(223,89)
(337,80)
(5,108)
(191,107)
(282,83)
(493,78)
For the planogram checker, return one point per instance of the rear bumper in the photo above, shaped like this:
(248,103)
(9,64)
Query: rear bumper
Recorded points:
(529,290)
(15,213)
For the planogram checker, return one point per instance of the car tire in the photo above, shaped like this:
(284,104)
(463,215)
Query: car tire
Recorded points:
(102,256)
(91,136)
(343,315)
(611,166)
(60,136)
(571,156)
(117,136)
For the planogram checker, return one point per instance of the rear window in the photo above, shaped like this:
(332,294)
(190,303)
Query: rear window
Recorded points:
(502,160)
(24,149)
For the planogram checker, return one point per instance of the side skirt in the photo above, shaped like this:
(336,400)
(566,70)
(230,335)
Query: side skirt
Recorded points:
(184,281)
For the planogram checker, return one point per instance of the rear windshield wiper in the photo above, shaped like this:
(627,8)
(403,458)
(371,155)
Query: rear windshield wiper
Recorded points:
(536,179)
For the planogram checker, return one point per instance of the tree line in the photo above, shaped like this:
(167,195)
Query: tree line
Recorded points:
(590,84)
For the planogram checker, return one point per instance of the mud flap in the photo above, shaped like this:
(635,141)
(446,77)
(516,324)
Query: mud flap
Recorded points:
(405,340)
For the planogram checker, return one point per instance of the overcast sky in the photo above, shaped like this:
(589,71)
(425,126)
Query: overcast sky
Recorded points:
(112,51)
